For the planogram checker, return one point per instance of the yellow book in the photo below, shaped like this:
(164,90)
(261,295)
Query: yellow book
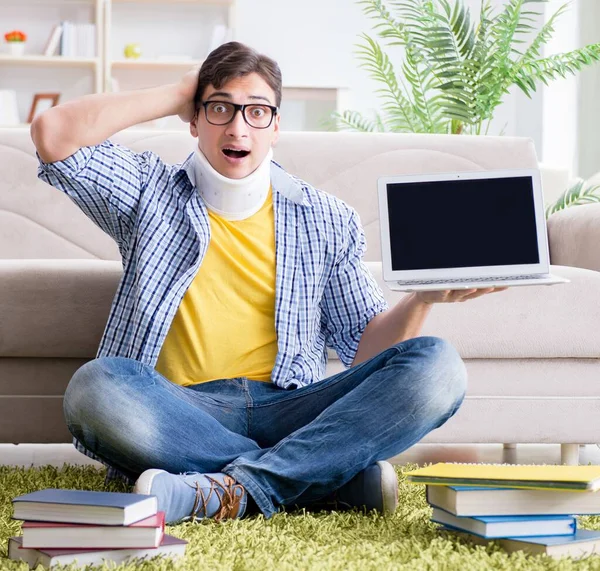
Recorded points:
(582,478)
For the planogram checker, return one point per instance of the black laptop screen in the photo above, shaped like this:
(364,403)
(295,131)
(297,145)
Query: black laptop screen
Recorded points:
(462,223)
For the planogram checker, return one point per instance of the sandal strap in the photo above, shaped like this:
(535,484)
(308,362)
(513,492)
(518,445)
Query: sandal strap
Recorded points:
(229,499)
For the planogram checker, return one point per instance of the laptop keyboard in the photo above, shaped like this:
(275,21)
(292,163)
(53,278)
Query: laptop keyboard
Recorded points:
(472,280)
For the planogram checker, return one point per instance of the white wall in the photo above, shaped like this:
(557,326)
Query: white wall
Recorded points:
(588,121)
(313,41)
(560,97)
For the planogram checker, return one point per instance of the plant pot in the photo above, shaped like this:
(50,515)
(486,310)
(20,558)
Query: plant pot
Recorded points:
(16,49)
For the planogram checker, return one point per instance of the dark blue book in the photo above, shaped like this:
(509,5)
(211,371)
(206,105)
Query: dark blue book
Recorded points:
(493,527)
(81,506)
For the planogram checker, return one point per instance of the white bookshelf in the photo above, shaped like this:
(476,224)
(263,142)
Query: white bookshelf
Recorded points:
(153,64)
(165,57)
(216,2)
(175,36)
(58,61)
(36,73)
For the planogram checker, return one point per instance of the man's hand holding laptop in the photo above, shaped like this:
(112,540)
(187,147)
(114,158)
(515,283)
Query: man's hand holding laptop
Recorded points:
(453,295)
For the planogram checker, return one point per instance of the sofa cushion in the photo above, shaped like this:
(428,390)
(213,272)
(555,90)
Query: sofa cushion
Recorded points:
(574,234)
(58,308)
(37,221)
(55,308)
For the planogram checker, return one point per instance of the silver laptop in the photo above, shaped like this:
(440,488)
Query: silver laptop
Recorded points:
(464,230)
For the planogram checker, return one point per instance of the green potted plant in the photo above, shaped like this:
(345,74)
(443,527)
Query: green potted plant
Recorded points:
(579,193)
(454,73)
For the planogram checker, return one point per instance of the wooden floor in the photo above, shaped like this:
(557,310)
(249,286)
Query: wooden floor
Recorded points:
(59,454)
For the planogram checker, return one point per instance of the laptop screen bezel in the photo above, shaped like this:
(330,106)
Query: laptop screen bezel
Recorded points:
(543,267)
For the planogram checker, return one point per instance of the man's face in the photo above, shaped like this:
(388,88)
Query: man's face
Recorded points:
(235,150)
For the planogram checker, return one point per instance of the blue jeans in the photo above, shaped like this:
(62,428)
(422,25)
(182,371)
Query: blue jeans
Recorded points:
(285,447)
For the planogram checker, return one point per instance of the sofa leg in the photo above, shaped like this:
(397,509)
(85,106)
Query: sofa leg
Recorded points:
(509,453)
(569,454)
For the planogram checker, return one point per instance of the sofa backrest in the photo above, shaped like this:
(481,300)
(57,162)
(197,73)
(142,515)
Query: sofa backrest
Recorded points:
(37,221)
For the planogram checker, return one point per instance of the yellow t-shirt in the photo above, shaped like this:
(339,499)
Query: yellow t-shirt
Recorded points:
(225,325)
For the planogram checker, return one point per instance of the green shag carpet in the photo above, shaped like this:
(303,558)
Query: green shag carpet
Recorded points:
(348,541)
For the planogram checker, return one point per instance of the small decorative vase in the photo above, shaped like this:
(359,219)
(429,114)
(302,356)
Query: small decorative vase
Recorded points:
(16,49)
(132,51)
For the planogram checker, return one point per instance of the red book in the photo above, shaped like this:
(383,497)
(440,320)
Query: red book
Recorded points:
(146,533)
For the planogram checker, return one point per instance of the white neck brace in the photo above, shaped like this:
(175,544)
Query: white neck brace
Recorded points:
(233,199)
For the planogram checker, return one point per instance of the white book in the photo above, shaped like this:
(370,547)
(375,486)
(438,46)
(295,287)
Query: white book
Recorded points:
(76,40)
(53,40)
(480,501)
(70,31)
(144,534)
(91,39)
(69,39)
(49,558)
(582,544)
(82,44)
(63,37)
(65,46)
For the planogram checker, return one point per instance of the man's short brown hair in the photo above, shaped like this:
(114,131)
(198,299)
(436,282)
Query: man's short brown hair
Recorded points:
(232,60)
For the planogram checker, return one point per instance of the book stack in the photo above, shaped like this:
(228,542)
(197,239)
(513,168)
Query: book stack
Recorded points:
(522,508)
(65,526)
(72,40)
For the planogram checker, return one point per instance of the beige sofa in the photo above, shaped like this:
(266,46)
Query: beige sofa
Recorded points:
(532,353)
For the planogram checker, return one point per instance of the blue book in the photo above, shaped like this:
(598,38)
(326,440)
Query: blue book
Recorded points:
(484,501)
(81,506)
(492,527)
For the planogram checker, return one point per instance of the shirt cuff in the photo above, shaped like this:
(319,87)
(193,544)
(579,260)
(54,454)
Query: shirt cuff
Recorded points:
(347,356)
(71,166)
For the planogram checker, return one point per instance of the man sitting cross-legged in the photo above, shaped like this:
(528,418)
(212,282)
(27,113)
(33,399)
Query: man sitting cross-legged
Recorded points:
(207,390)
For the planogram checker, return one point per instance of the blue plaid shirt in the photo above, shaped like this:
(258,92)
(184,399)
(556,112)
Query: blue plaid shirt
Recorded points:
(325,296)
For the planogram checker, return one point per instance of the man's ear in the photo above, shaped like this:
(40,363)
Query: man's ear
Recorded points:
(275,131)
(194,126)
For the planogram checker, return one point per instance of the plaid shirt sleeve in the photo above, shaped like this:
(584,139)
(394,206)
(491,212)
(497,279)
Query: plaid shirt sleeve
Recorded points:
(106,182)
(352,296)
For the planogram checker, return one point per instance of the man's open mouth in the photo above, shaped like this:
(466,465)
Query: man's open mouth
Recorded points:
(235,154)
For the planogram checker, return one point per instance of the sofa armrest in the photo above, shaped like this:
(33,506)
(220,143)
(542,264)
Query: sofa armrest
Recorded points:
(55,308)
(574,235)
(524,322)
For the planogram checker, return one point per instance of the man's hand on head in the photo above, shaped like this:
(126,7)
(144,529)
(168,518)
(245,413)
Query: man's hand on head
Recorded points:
(452,295)
(187,89)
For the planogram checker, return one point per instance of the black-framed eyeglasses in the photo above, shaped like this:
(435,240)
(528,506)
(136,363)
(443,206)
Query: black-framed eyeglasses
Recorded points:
(257,115)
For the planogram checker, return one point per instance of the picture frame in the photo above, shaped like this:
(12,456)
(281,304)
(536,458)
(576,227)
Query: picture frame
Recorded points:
(42,102)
